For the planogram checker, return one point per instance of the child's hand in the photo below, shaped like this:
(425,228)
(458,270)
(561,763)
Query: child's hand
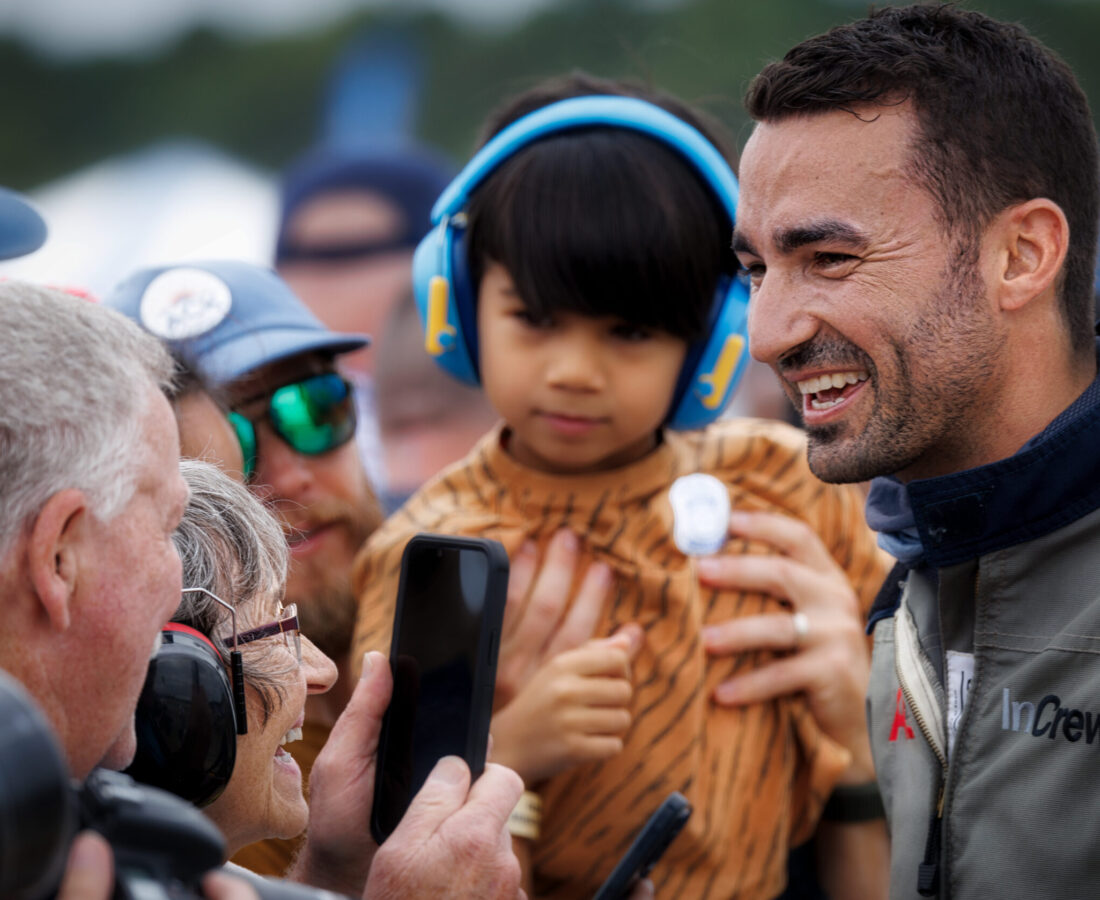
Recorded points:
(575,709)
(537,626)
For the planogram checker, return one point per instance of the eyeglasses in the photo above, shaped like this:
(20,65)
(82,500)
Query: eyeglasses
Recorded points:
(312,416)
(285,625)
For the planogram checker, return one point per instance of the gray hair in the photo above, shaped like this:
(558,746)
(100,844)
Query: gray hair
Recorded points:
(75,381)
(233,547)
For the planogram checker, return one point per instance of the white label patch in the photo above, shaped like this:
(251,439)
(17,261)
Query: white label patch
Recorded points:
(960,672)
(184,303)
(700,514)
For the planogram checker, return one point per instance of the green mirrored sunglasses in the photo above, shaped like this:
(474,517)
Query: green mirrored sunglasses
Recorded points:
(312,416)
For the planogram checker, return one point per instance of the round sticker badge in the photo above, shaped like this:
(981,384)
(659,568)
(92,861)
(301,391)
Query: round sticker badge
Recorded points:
(700,513)
(184,303)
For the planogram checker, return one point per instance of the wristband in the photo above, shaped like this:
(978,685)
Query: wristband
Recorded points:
(525,819)
(854,803)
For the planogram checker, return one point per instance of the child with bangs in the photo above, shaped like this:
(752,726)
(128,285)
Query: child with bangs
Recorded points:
(592,266)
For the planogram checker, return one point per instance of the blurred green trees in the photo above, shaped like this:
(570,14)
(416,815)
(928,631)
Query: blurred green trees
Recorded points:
(260,99)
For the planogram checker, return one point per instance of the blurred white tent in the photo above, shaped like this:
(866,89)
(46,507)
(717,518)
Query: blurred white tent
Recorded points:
(170,202)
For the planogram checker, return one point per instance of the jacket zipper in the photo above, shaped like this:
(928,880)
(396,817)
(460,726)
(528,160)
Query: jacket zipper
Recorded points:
(928,873)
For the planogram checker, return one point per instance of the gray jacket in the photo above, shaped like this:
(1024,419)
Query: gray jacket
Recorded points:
(1008,606)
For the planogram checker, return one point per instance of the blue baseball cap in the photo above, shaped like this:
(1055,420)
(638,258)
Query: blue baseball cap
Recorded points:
(22,230)
(225,319)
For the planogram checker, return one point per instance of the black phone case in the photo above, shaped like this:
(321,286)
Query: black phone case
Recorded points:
(647,848)
(477,734)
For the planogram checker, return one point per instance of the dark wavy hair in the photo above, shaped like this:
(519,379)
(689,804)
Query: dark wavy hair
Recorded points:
(1001,120)
(603,221)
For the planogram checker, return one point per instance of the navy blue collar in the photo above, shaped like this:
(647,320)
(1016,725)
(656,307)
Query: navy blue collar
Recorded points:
(1052,481)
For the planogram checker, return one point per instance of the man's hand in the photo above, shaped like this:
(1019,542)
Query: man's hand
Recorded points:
(830,661)
(453,841)
(536,626)
(338,850)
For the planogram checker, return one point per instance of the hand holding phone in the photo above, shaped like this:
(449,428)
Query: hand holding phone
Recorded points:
(446,630)
(651,842)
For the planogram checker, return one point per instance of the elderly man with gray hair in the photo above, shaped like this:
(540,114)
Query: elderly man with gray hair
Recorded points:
(90,498)
(90,495)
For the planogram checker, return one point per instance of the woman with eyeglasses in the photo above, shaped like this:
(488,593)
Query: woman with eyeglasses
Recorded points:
(234,560)
(234,760)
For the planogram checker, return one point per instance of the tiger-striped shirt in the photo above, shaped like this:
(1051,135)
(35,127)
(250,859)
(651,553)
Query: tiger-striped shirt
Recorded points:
(757,776)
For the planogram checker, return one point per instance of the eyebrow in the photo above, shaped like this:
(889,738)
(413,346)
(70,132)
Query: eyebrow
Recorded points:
(790,239)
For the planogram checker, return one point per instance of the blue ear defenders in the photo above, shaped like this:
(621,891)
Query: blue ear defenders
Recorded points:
(447,302)
(187,719)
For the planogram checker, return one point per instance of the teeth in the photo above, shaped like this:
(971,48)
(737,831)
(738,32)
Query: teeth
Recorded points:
(831,380)
(295,734)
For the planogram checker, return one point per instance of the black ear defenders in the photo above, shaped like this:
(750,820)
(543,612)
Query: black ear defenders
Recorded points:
(188,718)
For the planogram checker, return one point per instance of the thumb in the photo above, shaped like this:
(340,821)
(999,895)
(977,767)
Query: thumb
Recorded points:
(631,636)
(361,719)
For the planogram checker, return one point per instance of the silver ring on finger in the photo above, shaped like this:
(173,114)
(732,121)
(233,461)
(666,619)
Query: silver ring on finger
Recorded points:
(801,625)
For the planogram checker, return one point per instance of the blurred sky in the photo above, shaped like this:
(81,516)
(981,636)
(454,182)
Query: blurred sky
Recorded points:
(81,28)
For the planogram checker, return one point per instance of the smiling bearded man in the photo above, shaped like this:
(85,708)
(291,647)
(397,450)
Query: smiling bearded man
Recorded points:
(918,217)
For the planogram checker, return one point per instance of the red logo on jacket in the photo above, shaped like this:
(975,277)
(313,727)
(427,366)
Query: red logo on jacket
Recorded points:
(900,723)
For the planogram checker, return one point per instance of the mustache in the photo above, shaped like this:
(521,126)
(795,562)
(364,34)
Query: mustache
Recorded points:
(359,521)
(825,352)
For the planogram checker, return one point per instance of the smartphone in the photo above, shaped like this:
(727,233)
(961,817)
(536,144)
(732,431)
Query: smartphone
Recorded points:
(652,841)
(446,631)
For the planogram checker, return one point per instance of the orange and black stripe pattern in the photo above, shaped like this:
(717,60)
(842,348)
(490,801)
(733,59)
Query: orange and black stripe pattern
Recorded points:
(757,776)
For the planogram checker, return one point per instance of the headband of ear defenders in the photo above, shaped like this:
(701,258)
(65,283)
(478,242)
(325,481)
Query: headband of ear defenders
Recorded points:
(597,110)
(446,300)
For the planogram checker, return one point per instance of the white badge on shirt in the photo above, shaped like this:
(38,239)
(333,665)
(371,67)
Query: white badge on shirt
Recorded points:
(700,514)
(960,672)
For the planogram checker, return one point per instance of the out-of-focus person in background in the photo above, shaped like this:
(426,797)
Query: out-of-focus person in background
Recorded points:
(351,217)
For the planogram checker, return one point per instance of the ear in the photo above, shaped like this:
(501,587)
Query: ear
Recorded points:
(1030,241)
(53,553)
